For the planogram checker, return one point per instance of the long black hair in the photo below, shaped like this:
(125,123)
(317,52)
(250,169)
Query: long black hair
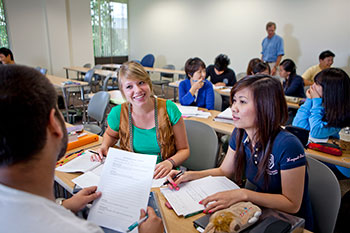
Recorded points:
(336,96)
(271,113)
(289,66)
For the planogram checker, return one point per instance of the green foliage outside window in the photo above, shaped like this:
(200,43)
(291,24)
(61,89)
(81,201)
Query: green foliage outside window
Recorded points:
(3,30)
(109,27)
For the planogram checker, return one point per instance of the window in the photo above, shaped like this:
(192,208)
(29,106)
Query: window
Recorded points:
(3,30)
(109,21)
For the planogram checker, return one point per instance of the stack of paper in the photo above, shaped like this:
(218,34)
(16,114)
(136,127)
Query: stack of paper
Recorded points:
(225,116)
(81,163)
(92,178)
(186,200)
(125,184)
(191,111)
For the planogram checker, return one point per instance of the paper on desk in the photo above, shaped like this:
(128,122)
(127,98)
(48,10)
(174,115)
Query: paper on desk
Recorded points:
(317,140)
(187,109)
(158,182)
(90,178)
(81,163)
(125,185)
(226,90)
(218,87)
(87,179)
(186,200)
(227,114)
(192,111)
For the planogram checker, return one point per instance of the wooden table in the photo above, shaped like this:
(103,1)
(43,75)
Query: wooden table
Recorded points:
(59,83)
(78,69)
(220,127)
(65,179)
(343,160)
(149,69)
(173,223)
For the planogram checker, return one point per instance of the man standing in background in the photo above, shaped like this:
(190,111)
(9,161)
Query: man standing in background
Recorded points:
(272,48)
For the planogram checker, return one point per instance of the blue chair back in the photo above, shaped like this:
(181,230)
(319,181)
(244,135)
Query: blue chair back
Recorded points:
(148,60)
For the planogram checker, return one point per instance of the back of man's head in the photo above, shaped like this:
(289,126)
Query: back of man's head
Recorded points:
(6,52)
(325,54)
(26,100)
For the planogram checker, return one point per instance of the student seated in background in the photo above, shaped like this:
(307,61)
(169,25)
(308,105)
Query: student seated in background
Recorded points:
(251,64)
(262,152)
(196,90)
(261,68)
(326,109)
(326,60)
(293,84)
(6,56)
(145,124)
(220,74)
(27,163)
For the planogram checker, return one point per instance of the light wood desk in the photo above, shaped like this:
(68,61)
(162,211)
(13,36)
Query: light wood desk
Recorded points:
(59,83)
(174,223)
(149,69)
(79,70)
(219,127)
(343,160)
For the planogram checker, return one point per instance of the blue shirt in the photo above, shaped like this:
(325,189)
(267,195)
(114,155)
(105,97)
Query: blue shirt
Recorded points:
(309,116)
(205,95)
(287,153)
(272,48)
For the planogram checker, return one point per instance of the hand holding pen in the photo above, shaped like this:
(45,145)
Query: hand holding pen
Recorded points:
(175,178)
(148,222)
(99,155)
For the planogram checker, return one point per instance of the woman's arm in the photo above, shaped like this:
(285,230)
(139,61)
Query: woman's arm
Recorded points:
(318,128)
(210,99)
(185,96)
(110,138)
(302,117)
(182,151)
(226,169)
(289,201)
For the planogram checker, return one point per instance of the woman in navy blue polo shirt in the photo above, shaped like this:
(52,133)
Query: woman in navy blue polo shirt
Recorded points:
(260,150)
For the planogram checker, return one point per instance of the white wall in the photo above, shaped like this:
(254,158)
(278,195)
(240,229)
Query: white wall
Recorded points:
(50,33)
(174,30)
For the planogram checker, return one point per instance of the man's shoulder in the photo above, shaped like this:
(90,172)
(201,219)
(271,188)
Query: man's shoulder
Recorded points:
(37,214)
(277,37)
(313,69)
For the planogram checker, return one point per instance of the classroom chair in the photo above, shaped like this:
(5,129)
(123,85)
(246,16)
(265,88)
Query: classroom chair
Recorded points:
(109,79)
(301,133)
(148,60)
(182,76)
(324,191)
(203,143)
(240,75)
(97,110)
(162,82)
(217,101)
(87,65)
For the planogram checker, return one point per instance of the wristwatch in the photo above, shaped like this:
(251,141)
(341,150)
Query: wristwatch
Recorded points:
(60,200)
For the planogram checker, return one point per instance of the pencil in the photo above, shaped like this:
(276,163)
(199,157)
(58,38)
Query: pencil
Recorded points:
(65,160)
